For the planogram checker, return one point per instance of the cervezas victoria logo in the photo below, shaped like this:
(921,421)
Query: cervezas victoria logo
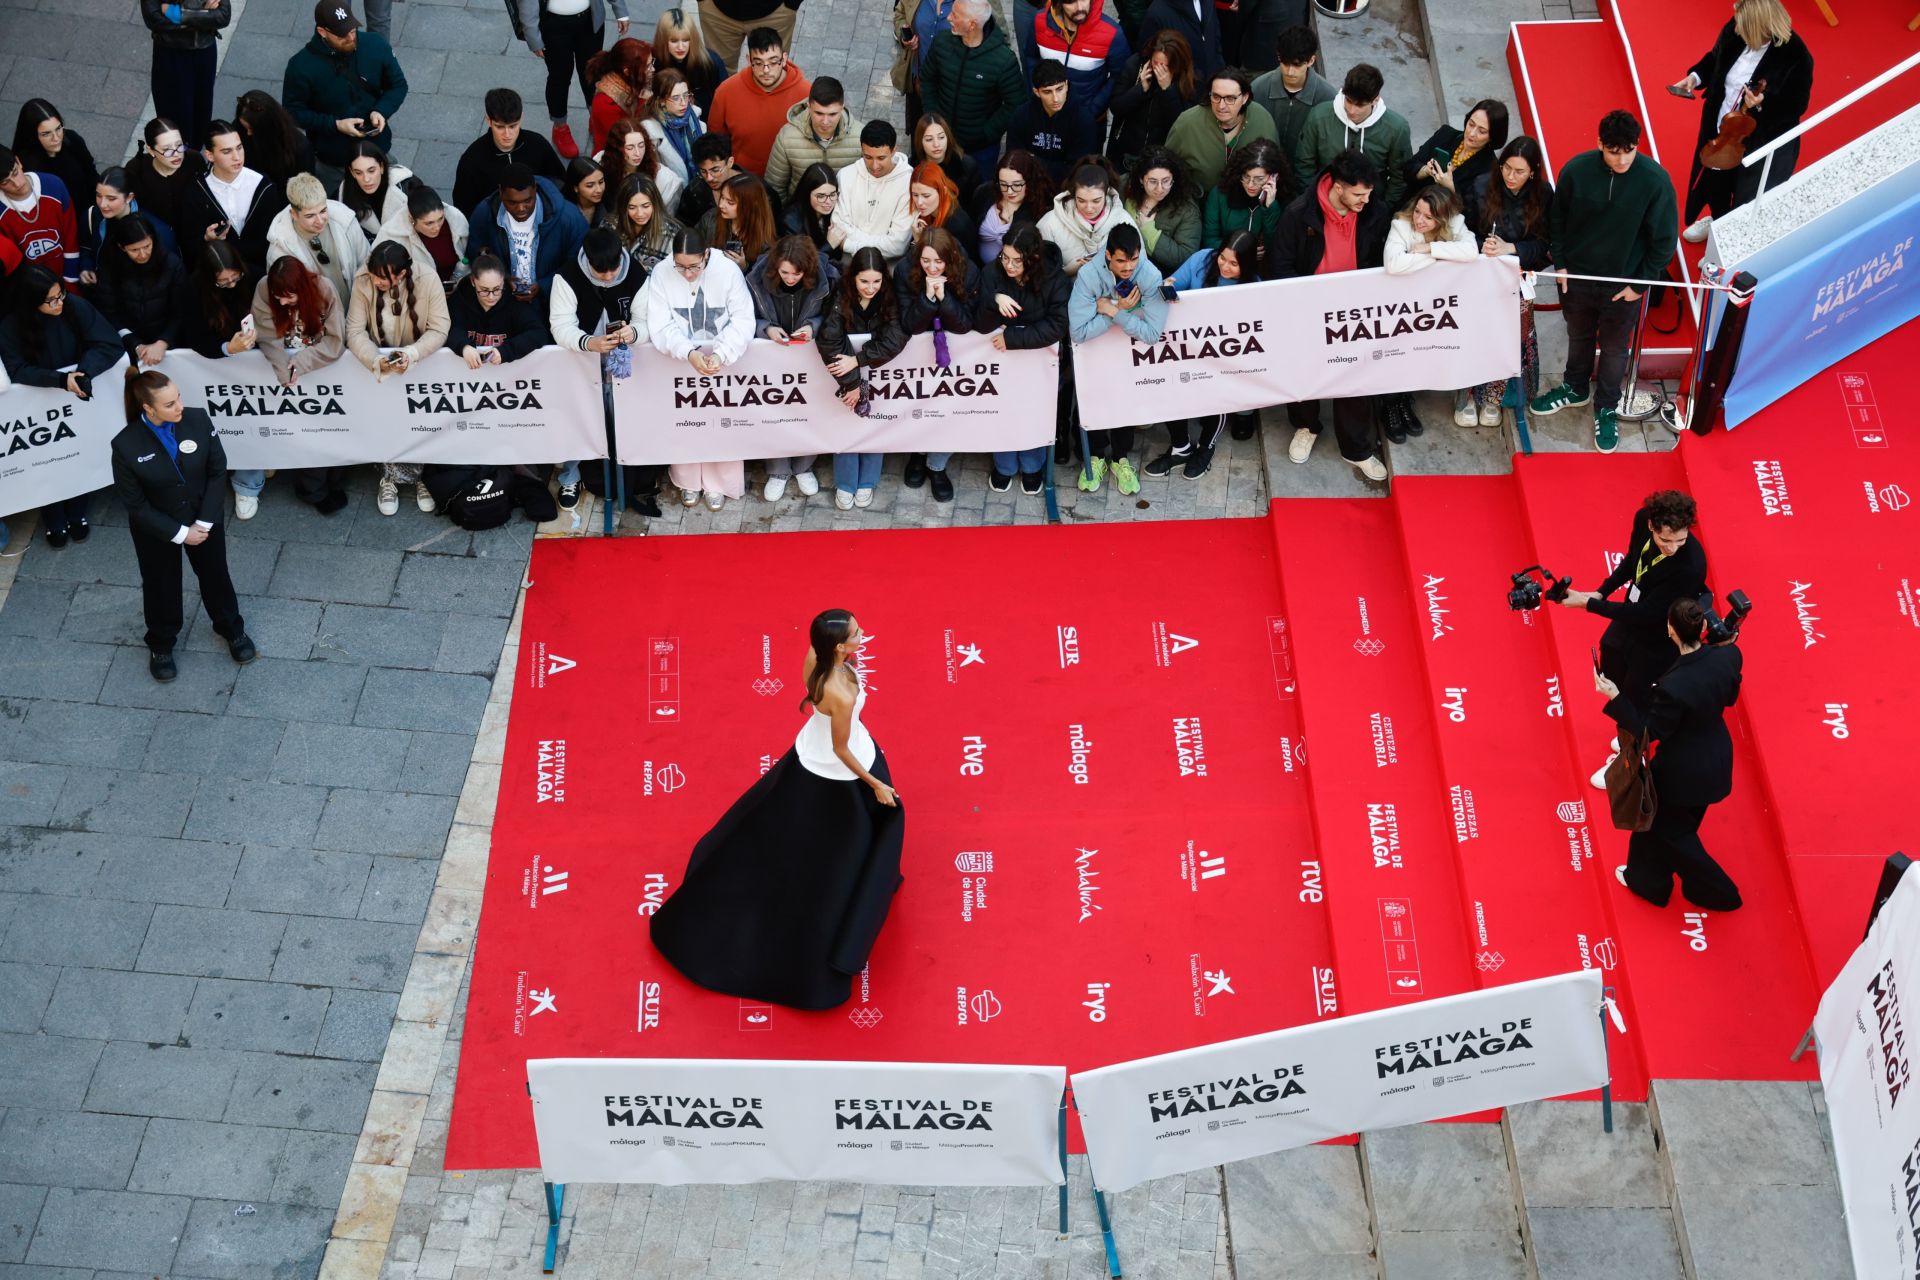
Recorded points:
(1189,747)
(1385,750)
(550,772)
(1437,611)
(1771,479)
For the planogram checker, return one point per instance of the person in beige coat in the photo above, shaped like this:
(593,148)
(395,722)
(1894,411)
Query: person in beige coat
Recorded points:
(396,317)
(320,232)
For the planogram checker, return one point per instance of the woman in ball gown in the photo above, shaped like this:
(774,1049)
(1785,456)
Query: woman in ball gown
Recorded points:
(783,898)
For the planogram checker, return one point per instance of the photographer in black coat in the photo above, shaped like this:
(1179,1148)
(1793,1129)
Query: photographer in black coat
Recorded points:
(1684,719)
(1664,563)
(171,475)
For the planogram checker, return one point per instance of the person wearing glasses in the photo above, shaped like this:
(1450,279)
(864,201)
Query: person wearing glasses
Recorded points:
(1023,303)
(321,233)
(489,326)
(699,310)
(49,339)
(673,123)
(1205,137)
(37,216)
(1018,192)
(164,172)
(396,317)
(186,36)
(45,145)
(810,213)
(229,199)
(728,22)
(1507,209)
(751,107)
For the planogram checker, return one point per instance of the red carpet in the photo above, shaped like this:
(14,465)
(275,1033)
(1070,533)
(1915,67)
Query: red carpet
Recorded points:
(1043,918)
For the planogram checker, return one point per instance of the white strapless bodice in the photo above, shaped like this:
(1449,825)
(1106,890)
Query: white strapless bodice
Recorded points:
(814,745)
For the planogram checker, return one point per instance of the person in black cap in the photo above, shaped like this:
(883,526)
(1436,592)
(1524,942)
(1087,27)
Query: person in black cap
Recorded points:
(171,475)
(344,85)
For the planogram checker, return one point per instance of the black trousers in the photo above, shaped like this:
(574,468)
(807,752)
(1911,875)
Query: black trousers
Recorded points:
(160,581)
(1721,191)
(1205,430)
(58,517)
(1353,424)
(311,484)
(1671,847)
(1594,319)
(571,40)
(182,83)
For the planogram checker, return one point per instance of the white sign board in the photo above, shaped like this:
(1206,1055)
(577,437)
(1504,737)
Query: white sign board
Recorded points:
(1354,333)
(711,1120)
(1154,1117)
(1873,1096)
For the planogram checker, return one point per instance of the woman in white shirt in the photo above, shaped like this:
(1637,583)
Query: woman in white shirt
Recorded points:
(699,310)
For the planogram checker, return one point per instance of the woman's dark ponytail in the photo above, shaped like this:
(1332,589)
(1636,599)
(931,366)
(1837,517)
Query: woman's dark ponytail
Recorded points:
(828,632)
(142,389)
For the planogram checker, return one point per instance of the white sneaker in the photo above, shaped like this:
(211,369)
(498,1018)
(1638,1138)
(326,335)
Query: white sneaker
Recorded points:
(1697,233)
(1372,468)
(422,498)
(689,497)
(1599,778)
(1466,415)
(1301,445)
(245,506)
(1489,415)
(776,488)
(388,499)
(1620,874)
(842,500)
(715,501)
(863,497)
(807,482)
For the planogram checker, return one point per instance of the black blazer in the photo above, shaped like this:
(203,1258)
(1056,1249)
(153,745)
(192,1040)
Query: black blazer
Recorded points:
(1693,763)
(199,210)
(1787,69)
(1635,649)
(1299,239)
(159,497)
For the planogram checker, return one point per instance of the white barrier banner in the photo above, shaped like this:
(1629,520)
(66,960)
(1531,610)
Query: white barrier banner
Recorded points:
(1873,1095)
(778,401)
(544,407)
(1353,333)
(688,1120)
(54,445)
(1154,1117)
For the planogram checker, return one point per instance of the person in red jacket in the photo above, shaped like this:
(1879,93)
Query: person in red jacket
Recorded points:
(36,215)
(751,107)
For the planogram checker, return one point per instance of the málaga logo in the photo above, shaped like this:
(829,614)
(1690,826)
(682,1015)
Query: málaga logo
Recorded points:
(34,431)
(550,772)
(1451,1048)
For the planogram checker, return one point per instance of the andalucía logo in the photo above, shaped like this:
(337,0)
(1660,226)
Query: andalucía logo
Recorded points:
(547,664)
(1168,645)
(1896,1069)
(1451,1048)
(911,1113)
(550,772)
(1437,611)
(1204,1096)
(670,1112)
(1087,886)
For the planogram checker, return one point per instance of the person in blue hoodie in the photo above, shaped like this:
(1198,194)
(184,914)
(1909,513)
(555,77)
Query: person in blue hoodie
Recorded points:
(1232,263)
(529,226)
(1122,288)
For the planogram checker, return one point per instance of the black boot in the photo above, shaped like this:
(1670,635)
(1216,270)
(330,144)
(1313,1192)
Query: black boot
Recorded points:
(916,470)
(1409,418)
(1392,421)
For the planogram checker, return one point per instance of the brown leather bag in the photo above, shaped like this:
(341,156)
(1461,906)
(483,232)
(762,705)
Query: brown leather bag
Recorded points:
(1630,786)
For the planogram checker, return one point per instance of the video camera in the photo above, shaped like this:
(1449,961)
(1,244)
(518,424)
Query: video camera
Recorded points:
(1536,583)
(1721,630)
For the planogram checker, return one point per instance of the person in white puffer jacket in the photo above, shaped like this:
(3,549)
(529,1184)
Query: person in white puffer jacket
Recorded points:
(1432,228)
(1080,219)
(876,202)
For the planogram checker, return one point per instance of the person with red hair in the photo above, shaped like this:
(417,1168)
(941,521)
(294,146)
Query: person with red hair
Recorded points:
(935,202)
(622,80)
(300,326)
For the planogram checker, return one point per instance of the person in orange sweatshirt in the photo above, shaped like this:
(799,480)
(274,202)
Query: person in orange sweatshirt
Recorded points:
(751,105)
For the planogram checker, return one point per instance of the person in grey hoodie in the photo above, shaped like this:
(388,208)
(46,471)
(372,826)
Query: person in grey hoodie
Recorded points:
(1357,118)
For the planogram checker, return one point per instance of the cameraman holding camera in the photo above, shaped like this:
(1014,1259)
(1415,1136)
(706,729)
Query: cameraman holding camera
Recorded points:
(1663,564)
(1693,768)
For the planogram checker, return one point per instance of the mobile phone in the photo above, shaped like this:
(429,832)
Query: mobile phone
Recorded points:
(1123,289)
(906,35)
(85,382)
(1168,292)
(246,324)
(1679,92)
(1595,655)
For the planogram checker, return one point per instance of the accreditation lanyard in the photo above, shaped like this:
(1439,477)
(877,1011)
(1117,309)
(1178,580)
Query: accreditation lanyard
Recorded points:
(1641,566)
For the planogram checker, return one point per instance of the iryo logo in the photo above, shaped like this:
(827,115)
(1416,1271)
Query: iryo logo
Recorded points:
(1456,703)
(1096,1003)
(1836,720)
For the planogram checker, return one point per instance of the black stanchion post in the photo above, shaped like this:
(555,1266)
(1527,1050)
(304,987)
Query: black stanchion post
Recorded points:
(1716,370)
(1063,1164)
(609,466)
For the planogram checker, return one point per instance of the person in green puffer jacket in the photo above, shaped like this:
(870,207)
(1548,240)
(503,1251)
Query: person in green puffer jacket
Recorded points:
(343,86)
(1357,118)
(971,76)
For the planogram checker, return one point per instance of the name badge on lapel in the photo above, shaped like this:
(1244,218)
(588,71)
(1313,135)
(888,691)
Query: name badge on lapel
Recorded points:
(188,446)
(1633,592)
(146,457)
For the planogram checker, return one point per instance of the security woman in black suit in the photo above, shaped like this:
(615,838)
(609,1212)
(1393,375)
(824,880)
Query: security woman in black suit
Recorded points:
(1664,563)
(171,475)
(1772,75)
(1692,764)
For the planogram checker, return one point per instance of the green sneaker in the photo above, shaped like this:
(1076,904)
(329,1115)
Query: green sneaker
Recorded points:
(1606,430)
(1561,397)
(1092,474)
(1124,477)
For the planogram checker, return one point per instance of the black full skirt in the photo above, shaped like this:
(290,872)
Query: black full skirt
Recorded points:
(784,897)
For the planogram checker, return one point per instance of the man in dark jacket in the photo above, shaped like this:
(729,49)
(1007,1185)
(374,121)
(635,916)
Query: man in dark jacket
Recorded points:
(344,85)
(1054,125)
(530,227)
(171,475)
(478,174)
(186,36)
(230,201)
(1613,214)
(971,77)
(1081,36)
(1334,225)
(1196,22)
